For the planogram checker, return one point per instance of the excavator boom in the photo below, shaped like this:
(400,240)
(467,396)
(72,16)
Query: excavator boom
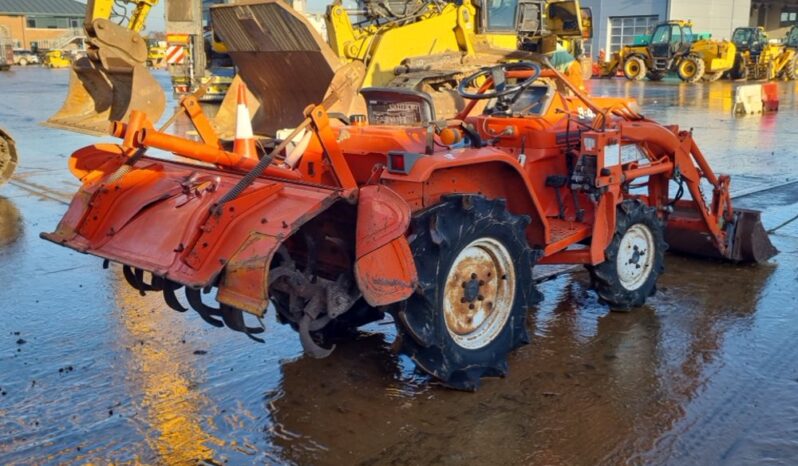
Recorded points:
(112,79)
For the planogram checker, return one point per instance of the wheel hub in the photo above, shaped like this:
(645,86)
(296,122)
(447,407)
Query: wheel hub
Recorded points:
(635,257)
(479,293)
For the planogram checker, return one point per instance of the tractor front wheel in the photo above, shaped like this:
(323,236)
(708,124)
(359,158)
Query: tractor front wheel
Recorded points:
(634,258)
(691,69)
(475,287)
(634,68)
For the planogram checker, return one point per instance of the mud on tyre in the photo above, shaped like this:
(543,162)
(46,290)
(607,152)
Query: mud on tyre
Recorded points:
(475,287)
(635,258)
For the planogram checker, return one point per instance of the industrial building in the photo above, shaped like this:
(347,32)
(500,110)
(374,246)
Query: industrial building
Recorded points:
(41,24)
(617,22)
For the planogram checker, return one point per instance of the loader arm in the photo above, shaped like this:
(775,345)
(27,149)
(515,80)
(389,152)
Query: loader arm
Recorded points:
(102,84)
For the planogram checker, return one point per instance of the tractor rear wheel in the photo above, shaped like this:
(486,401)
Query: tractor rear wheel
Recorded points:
(691,69)
(634,68)
(475,287)
(634,258)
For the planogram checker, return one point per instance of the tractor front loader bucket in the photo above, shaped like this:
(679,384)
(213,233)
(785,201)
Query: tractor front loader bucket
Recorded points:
(746,238)
(284,62)
(109,83)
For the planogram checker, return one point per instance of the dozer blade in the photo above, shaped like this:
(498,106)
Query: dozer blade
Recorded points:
(747,240)
(97,97)
(284,62)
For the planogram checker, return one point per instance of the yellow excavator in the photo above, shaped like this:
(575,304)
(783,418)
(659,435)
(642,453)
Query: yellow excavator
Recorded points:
(113,78)
(421,45)
(418,45)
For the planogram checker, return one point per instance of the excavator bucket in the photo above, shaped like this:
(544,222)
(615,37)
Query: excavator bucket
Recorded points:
(284,62)
(109,83)
(8,156)
(746,238)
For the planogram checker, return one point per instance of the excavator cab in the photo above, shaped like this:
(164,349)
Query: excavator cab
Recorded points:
(534,20)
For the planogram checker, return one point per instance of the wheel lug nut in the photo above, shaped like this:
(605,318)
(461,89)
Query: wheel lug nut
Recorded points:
(482,283)
(471,306)
(462,300)
(480,297)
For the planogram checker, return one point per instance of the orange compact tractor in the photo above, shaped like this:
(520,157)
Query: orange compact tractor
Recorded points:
(438,223)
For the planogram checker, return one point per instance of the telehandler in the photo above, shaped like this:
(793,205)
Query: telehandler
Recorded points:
(438,223)
(758,58)
(672,46)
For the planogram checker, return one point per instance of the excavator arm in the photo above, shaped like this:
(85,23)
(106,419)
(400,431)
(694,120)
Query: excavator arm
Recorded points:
(102,84)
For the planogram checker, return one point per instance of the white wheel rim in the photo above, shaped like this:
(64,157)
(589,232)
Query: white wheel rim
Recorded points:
(635,256)
(479,293)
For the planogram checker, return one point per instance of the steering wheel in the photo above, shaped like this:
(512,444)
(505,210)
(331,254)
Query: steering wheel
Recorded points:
(498,75)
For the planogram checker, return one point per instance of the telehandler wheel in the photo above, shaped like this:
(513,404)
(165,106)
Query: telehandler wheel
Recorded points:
(739,70)
(634,68)
(634,258)
(475,287)
(691,69)
(656,75)
(791,70)
(712,77)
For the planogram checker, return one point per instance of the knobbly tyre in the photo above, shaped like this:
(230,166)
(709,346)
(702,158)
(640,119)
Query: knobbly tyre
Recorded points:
(437,223)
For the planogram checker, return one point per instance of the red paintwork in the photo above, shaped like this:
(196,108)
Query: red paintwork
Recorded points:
(154,218)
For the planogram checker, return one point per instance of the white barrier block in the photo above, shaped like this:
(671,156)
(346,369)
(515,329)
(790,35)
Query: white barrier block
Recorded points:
(748,99)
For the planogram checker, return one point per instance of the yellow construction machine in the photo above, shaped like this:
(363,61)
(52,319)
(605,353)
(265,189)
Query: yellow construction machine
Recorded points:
(672,47)
(56,59)
(113,78)
(420,45)
(791,44)
(758,58)
(417,45)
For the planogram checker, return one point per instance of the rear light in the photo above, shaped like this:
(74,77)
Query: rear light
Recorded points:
(401,162)
(397,162)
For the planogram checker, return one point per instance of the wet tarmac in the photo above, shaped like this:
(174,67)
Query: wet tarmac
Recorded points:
(707,373)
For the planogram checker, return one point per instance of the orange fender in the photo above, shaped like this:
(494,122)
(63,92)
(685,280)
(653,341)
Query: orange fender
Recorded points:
(384,266)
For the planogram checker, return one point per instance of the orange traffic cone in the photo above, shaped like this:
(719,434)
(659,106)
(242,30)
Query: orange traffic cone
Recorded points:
(244,144)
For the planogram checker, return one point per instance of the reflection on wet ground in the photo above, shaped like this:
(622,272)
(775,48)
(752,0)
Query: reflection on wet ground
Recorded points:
(707,373)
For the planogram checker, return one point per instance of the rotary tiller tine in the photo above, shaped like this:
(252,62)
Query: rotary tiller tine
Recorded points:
(311,348)
(234,319)
(205,311)
(133,277)
(170,297)
(140,280)
(156,284)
